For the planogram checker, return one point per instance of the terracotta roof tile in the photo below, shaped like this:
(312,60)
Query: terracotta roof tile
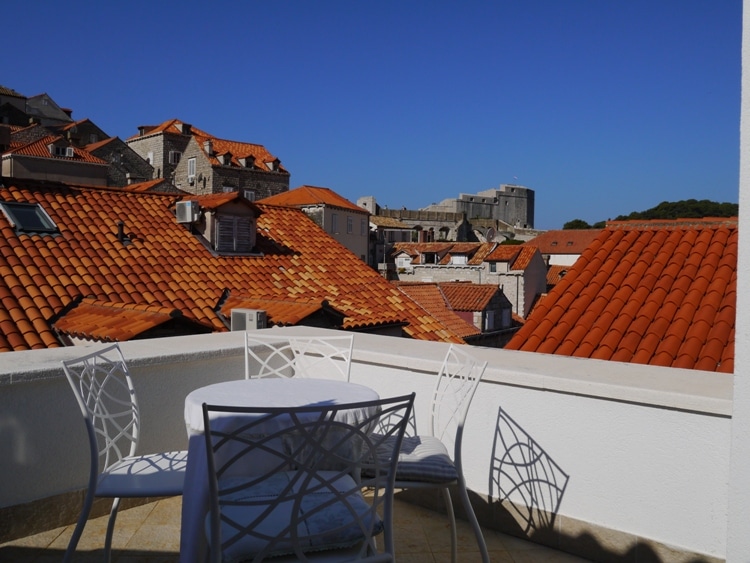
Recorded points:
(165,266)
(431,298)
(661,293)
(312,195)
(568,241)
(40,148)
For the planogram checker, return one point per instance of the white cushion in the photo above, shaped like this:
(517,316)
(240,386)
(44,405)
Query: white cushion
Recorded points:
(422,458)
(150,475)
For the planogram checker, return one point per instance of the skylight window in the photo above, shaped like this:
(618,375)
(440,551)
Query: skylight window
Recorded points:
(28,217)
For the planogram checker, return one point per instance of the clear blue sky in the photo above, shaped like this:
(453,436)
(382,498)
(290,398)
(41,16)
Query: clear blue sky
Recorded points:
(602,107)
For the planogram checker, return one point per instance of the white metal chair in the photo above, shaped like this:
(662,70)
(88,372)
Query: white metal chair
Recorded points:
(269,355)
(424,460)
(303,499)
(104,391)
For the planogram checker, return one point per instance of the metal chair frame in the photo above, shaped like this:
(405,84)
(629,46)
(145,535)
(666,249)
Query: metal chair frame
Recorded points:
(303,499)
(454,390)
(269,355)
(104,391)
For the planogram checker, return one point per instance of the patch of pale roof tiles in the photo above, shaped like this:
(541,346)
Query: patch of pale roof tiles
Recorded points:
(166,265)
(388,222)
(645,293)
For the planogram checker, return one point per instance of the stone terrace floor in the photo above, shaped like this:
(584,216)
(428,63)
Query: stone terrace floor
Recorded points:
(151,534)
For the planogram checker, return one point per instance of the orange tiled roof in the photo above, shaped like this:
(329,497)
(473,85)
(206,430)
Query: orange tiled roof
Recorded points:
(312,195)
(524,257)
(40,149)
(164,265)
(171,126)
(464,296)
(659,293)
(113,322)
(220,146)
(565,241)
(431,298)
(144,186)
(504,253)
(555,273)
(388,222)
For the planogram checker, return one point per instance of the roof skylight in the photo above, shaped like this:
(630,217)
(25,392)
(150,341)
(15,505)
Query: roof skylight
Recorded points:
(28,217)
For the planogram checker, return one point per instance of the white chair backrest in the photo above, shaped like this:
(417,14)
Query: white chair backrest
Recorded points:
(454,389)
(326,357)
(104,390)
(304,492)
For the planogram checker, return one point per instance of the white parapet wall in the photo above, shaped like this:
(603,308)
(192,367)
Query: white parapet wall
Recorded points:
(644,451)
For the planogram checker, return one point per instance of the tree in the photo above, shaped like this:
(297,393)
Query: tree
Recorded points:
(576,224)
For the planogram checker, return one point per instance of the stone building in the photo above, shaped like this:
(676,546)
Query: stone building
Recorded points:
(199,163)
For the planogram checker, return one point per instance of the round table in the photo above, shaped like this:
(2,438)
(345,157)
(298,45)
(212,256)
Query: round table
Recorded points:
(268,392)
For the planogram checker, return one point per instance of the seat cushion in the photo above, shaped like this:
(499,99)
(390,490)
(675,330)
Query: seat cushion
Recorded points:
(325,522)
(422,458)
(150,475)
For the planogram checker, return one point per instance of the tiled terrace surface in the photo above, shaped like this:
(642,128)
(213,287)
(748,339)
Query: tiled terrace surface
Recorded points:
(151,534)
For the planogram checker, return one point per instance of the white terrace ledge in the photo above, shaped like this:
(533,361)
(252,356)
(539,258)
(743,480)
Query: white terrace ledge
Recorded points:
(645,450)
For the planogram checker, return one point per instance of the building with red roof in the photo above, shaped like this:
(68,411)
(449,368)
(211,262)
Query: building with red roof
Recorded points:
(346,222)
(80,263)
(199,163)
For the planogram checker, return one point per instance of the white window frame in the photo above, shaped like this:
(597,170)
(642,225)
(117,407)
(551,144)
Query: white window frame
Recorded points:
(191,168)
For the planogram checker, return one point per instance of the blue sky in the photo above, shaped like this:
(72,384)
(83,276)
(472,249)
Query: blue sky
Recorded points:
(602,107)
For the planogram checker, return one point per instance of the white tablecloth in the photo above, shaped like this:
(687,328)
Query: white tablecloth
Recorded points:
(270,392)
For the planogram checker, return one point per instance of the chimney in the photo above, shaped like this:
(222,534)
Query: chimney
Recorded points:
(208,146)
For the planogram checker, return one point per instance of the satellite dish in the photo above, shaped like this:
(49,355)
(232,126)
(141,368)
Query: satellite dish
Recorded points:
(490,236)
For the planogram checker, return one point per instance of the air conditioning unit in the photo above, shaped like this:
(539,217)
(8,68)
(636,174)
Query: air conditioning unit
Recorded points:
(187,211)
(248,319)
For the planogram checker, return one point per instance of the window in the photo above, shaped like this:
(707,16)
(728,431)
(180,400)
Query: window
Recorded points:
(28,217)
(174,157)
(61,151)
(249,195)
(349,225)
(150,158)
(93,138)
(493,267)
(362,227)
(191,170)
(234,234)
(334,223)
(228,189)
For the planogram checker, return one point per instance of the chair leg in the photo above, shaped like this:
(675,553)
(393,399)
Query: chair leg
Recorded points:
(110,530)
(88,502)
(452,516)
(473,520)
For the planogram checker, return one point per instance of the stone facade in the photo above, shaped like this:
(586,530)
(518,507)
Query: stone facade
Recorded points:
(509,203)
(125,165)
(157,148)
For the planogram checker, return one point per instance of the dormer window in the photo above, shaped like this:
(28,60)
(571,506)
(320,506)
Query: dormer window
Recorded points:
(273,165)
(58,150)
(247,161)
(28,218)
(234,234)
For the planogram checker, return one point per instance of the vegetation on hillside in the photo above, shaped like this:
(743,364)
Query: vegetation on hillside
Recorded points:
(685,209)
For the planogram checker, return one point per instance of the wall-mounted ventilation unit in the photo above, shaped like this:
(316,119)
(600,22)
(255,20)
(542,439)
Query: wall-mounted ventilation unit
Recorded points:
(248,319)
(187,211)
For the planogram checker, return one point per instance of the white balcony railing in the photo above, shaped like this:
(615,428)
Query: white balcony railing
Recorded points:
(556,449)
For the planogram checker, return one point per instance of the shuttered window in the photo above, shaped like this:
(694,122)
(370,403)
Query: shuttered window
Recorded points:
(234,234)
